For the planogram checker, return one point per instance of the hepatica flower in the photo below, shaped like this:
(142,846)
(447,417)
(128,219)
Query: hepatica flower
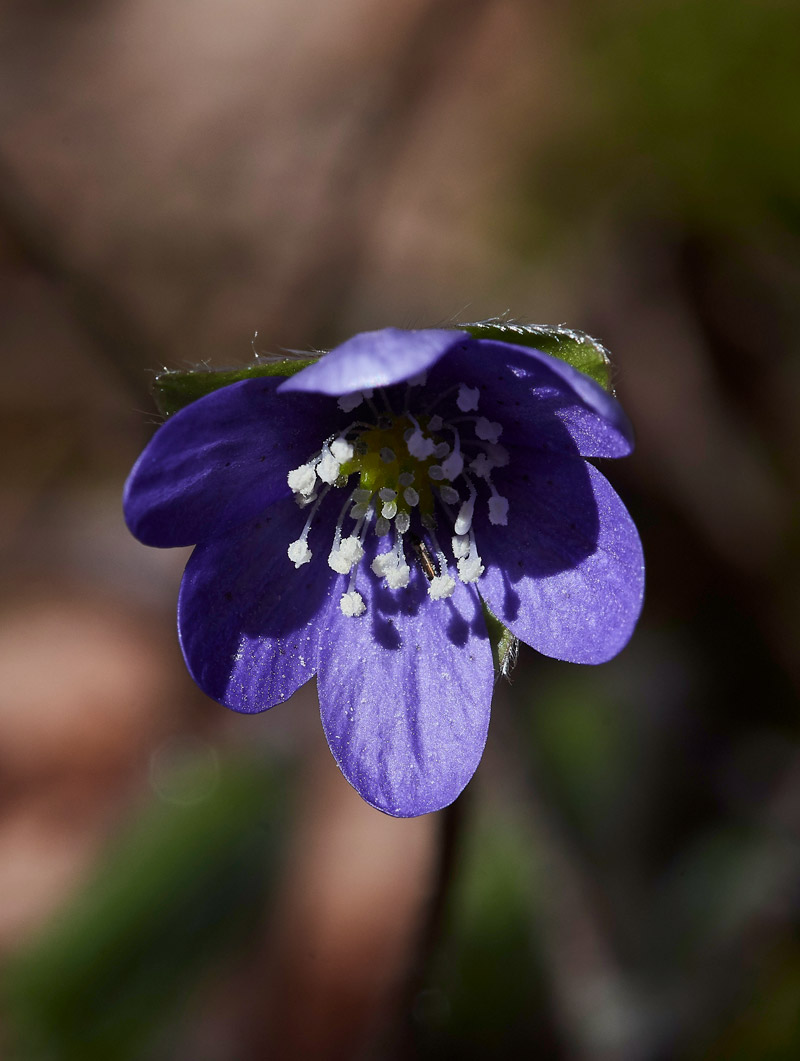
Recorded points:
(354,520)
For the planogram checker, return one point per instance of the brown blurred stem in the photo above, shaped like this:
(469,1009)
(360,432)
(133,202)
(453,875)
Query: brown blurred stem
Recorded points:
(452,821)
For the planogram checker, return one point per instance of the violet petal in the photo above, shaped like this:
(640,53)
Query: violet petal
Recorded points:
(405,693)
(542,402)
(221,460)
(566,575)
(248,621)
(374,359)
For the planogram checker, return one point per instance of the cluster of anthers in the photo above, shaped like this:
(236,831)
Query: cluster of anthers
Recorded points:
(413,471)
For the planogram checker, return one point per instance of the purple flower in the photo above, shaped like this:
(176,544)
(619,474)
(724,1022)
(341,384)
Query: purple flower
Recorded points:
(350,519)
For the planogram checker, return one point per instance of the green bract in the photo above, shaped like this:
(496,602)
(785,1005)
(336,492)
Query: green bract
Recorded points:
(173,390)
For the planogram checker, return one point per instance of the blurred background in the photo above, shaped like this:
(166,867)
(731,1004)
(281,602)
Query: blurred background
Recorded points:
(184,182)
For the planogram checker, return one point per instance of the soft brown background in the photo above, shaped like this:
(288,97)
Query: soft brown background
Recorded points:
(180,181)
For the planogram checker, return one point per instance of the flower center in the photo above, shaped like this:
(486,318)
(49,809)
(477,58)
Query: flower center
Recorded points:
(399,472)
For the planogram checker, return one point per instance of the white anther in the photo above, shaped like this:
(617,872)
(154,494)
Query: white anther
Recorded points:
(387,494)
(361,494)
(360,510)
(464,517)
(467,399)
(382,526)
(403,522)
(346,556)
(342,450)
(387,455)
(351,549)
(299,552)
(328,468)
(389,510)
(380,565)
(405,478)
(411,496)
(449,495)
(435,422)
(482,466)
(488,430)
(302,480)
(436,473)
(470,569)
(352,603)
(339,563)
(441,586)
(441,450)
(498,510)
(419,446)
(398,577)
(453,466)
(460,544)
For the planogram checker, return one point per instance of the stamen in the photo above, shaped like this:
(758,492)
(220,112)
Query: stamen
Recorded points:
(392,565)
(342,450)
(470,567)
(344,558)
(443,585)
(467,399)
(498,509)
(328,467)
(398,577)
(460,544)
(344,554)
(488,430)
(481,466)
(352,604)
(374,453)
(419,446)
(454,465)
(298,552)
(464,517)
(302,480)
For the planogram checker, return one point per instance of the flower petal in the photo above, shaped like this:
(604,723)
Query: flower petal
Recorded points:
(248,621)
(221,460)
(374,359)
(536,397)
(405,692)
(566,575)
